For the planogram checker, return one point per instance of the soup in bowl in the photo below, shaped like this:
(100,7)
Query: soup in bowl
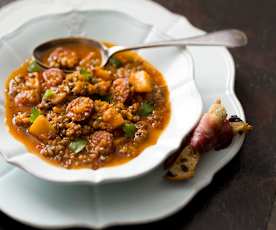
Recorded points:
(92,117)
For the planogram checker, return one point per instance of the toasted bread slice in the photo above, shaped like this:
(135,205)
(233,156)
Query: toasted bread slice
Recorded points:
(184,166)
(218,110)
(240,127)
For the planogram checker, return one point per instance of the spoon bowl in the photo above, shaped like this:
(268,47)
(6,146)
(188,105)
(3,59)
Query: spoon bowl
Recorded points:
(43,49)
(229,38)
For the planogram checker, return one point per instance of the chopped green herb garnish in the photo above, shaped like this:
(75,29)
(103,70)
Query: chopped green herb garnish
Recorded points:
(145,109)
(77,145)
(116,62)
(107,98)
(48,93)
(34,67)
(86,74)
(129,129)
(34,114)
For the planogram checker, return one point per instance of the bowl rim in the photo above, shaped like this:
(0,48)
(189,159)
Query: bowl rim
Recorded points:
(19,160)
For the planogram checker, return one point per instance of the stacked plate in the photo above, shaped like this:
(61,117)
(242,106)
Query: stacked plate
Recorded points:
(142,199)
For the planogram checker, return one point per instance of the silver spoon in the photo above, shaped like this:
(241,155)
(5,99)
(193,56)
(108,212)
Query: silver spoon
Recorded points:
(229,38)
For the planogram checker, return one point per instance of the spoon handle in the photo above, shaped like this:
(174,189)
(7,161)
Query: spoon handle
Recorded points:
(229,38)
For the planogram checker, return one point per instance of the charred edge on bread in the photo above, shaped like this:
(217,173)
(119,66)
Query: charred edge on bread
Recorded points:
(235,118)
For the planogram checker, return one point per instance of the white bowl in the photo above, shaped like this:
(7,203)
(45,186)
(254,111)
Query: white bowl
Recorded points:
(175,63)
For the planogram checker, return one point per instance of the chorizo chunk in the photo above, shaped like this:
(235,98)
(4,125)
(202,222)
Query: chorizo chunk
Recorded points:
(52,77)
(25,89)
(32,81)
(79,109)
(62,57)
(27,97)
(120,90)
(22,119)
(100,143)
(26,82)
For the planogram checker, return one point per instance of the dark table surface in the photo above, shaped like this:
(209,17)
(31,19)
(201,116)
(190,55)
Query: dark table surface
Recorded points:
(241,196)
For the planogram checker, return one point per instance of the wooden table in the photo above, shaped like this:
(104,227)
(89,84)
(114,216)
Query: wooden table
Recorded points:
(241,196)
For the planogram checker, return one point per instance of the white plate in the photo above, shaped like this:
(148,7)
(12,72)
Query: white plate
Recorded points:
(145,199)
(176,65)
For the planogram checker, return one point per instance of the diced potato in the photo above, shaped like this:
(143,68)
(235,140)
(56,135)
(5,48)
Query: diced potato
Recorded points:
(112,117)
(103,74)
(41,127)
(141,82)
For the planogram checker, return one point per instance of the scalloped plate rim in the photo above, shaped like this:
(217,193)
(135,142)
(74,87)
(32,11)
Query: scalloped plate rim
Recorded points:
(231,95)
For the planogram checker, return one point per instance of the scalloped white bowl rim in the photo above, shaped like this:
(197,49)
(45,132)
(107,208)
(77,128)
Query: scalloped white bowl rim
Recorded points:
(39,168)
